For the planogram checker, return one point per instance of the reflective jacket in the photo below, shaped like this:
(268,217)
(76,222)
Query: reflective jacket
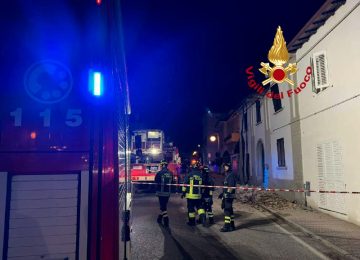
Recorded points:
(230,181)
(163,178)
(193,178)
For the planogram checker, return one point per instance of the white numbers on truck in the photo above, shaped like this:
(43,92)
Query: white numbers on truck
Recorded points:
(17,113)
(72,118)
(46,115)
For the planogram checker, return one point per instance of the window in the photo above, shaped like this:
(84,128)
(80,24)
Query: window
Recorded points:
(258,111)
(321,76)
(281,152)
(153,135)
(245,122)
(276,102)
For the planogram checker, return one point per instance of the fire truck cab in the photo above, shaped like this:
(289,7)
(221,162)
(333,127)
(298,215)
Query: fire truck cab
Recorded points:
(148,149)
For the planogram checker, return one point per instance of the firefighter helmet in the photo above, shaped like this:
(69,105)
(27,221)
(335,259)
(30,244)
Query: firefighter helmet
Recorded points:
(195,164)
(163,163)
(228,165)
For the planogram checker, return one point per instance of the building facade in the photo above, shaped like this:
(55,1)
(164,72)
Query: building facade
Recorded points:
(307,139)
(328,111)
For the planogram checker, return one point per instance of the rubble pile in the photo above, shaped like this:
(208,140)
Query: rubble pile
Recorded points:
(268,199)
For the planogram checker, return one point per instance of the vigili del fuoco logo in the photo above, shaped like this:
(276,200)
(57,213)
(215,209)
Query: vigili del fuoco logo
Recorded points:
(278,55)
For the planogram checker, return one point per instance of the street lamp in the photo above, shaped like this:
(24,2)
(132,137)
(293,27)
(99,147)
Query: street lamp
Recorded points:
(215,137)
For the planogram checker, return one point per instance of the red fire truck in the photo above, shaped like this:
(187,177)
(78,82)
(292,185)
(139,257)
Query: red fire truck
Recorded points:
(148,149)
(63,131)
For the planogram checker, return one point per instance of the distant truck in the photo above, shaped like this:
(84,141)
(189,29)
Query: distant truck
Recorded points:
(147,150)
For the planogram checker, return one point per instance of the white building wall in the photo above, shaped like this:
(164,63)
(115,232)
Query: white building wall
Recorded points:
(280,129)
(280,125)
(333,115)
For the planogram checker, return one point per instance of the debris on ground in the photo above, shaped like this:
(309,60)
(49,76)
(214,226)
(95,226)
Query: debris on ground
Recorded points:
(269,199)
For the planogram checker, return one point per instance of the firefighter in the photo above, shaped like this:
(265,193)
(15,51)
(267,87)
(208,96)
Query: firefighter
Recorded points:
(163,190)
(193,194)
(228,196)
(207,194)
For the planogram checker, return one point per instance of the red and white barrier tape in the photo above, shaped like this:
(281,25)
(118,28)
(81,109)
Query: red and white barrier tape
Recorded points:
(253,188)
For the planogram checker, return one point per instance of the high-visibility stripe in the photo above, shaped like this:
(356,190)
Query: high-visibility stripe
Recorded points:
(227,221)
(210,214)
(164,212)
(201,211)
(226,217)
(191,186)
(211,192)
(193,196)
(191,214)
(183,188)
(165,215)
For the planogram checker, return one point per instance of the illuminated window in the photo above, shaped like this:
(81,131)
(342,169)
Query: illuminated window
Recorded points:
(153,135)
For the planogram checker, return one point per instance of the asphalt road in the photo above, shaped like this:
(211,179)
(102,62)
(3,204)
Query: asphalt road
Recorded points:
(257,236)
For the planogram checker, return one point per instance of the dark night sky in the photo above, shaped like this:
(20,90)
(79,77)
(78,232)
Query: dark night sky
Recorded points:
(183,56)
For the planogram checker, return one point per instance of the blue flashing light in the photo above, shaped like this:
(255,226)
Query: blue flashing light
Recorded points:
(96,83)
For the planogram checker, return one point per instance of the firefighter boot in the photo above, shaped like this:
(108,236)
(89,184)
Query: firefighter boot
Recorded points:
(159,219)
(211,217)
(226,228)
(166,222)
(227,225)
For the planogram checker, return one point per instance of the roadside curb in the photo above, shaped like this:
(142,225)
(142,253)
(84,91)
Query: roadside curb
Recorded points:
(310,234)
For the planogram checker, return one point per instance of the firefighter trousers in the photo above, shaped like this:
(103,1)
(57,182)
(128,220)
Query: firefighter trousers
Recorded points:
(163,201)
(207,206)
(193,205)
(229,211)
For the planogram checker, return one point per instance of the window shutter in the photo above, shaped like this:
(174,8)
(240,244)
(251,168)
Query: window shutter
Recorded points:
(314,89)
(320,70)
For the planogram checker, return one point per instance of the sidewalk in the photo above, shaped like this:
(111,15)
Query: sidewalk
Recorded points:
(339,235)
